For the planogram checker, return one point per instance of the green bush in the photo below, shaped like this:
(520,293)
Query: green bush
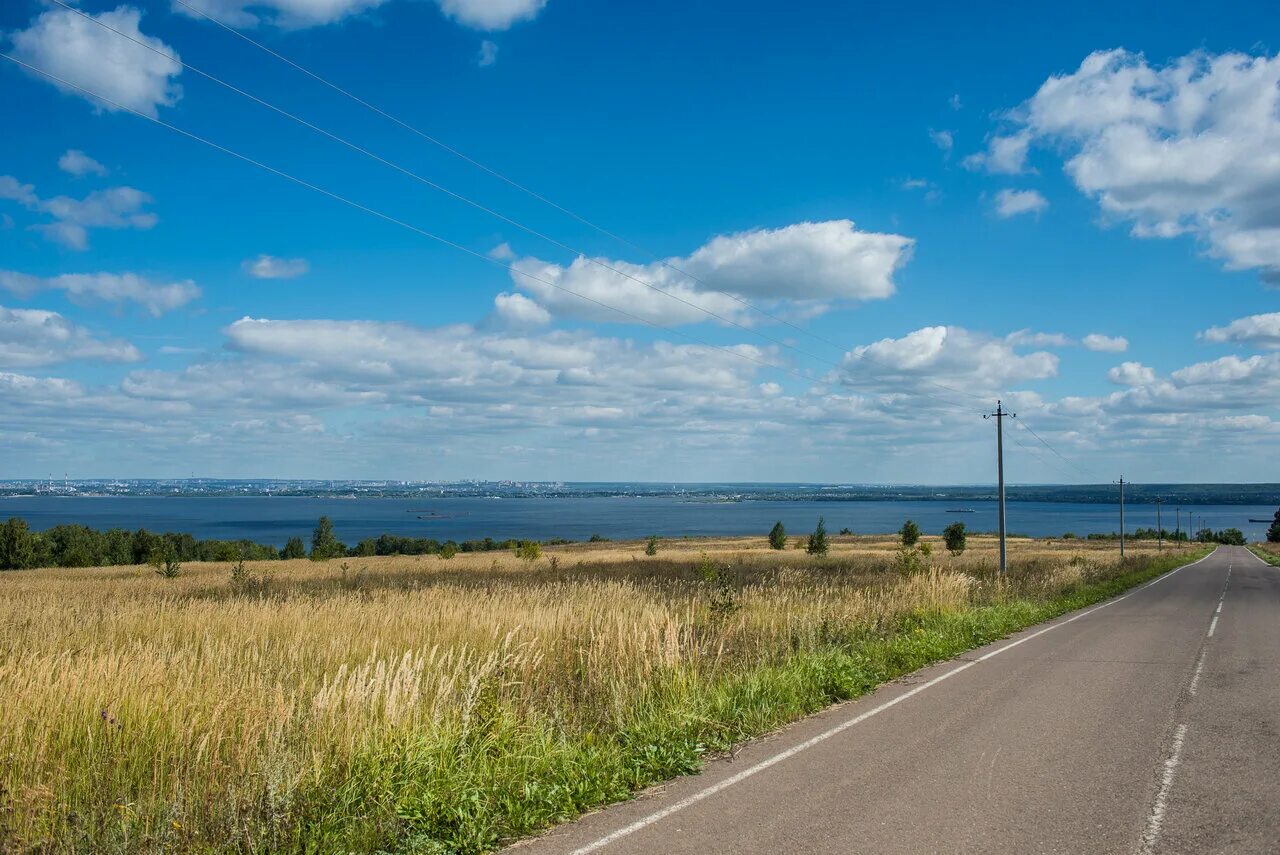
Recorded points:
(778,536)
(818,540)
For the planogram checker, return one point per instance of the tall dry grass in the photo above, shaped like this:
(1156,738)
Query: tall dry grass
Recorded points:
(420,704)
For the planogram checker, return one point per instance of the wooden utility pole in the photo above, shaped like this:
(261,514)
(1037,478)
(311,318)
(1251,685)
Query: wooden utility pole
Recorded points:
(999,415)
(1159,529)
(1122,516)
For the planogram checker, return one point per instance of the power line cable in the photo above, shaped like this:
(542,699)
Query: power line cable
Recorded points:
(428,182)
(442,189)
(393,220)
(524,189)
(1041,457)
(1077,467)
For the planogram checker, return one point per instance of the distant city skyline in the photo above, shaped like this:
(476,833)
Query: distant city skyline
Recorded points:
(830,238)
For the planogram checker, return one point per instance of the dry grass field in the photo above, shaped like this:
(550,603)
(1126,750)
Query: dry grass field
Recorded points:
(418,704)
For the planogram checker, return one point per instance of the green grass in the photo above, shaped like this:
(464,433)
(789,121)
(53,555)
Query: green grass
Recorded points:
(473,797)
(1266,555)
(223,745)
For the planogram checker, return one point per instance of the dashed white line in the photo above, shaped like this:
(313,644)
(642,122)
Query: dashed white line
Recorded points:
(750,771)
(1195,676)
(1156,821)
(1213,625)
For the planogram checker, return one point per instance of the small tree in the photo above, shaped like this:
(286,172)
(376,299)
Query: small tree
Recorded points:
(910,533)
(955,537)
(324,544)
(818,540)
(778,535)
(1273,532)
(294,549)
(529,550)
(651,548)
(449,550)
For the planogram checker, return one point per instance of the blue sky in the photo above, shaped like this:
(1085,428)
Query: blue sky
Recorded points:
(1075,213)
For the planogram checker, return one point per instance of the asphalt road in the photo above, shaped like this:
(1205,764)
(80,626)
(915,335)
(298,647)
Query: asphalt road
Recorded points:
(1147,724)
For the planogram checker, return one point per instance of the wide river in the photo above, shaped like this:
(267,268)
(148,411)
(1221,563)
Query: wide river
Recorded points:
(275,520)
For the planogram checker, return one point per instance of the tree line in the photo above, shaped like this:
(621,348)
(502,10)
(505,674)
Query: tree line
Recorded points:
(73,545)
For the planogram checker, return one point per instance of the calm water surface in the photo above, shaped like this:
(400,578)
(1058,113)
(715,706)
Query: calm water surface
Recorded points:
(275,520)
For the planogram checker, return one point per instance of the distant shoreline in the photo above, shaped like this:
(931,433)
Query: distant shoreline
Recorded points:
(1187,495)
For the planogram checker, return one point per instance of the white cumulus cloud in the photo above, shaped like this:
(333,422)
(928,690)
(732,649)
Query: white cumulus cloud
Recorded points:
(31,338)
(288,14)
(270,267)
(1262,330)
(1185,148)
(1005,155)
(77,163)
(491,14)
(517,310)
(1105,343)
(115,288)
(973,361)
(943,139)
(806,264)
(82,53)
(1011,203)
(112,208)
(1131,374)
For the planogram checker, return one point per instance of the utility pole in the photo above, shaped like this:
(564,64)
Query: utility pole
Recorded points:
(1122,516)
(1159,530)
(999,415)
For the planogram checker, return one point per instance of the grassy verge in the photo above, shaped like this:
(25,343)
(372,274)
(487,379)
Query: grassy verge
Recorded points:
(401,707)
(1269,553)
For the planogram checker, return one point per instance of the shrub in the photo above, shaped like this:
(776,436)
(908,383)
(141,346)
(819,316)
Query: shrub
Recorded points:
(529,550)
(818,540)
(449,550)
(720,583)
(1273,531)
(165,563)
(778,535)
(925,549)
(910,533)
(846,531)
(955,537)
(1231,537)
(908,561)
(294,549)
(651,548)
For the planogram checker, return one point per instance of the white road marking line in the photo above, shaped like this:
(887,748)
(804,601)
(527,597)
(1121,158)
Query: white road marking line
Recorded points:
(1195,676)
(750,771)
(1156,821)
(1213,624)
